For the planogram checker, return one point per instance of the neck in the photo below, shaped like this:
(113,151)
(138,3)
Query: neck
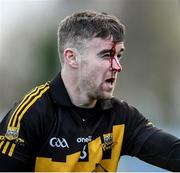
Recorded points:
(78,97)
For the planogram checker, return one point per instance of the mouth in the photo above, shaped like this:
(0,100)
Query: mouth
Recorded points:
(110,80)
(108,85)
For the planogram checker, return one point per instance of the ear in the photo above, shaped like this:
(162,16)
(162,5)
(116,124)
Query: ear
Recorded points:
(70,57)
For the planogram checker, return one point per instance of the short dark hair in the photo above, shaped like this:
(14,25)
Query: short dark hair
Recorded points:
(83,26)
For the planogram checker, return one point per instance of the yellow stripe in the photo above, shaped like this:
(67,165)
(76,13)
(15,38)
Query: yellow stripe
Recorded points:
(95,154)
(2,142)
(29,105)
(5,147)
(21,107)
(11,150)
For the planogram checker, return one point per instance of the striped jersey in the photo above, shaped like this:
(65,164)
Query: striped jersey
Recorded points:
(46,129)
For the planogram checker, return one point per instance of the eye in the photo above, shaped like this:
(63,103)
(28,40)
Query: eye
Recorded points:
(107,55)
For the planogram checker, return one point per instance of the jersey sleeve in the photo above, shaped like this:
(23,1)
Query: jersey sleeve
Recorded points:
(150,144)
(10,164)
(18,134)
(137,130)
(163,150)
(23,128)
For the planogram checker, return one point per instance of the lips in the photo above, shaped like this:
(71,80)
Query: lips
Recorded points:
(110,80)
(108,85)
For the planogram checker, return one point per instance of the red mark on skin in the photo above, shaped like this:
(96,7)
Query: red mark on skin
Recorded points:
(113,53)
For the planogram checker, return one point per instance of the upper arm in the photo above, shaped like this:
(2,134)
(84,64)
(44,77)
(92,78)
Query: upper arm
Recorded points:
(162,149)
(21,131)
(10,164)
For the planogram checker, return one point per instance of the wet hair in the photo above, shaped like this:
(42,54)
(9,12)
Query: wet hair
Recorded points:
(75,30)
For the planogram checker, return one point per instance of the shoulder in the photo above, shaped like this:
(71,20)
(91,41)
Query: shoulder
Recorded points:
(29,122)
(126,111)
(36,101)
(121,105)
(30,112)
(37,105)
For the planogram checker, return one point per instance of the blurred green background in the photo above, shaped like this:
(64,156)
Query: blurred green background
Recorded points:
(150,79)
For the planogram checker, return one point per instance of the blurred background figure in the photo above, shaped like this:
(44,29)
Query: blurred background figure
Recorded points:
(150,79)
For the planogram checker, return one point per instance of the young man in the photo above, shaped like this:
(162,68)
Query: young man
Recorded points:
(73,123)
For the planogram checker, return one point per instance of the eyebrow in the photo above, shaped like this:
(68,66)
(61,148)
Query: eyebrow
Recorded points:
(108,51)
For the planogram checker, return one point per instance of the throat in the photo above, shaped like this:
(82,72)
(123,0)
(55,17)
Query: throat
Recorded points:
(83,100)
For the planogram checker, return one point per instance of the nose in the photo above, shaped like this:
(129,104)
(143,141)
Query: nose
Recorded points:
(115,65)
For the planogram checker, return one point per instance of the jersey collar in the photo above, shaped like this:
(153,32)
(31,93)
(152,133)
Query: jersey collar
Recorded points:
(60,95)
(59,92)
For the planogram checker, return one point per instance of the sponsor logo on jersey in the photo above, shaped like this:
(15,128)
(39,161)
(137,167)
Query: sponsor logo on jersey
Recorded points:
(12,133)
(58,142)
(83,153)
(84,140)
(108,141)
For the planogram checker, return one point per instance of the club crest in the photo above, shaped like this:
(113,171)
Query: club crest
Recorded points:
(107,141)
(12,133)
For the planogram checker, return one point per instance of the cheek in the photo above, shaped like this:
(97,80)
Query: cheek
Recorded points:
(95,70)
(102,70)
(107,64)
(103,65)
(94,76)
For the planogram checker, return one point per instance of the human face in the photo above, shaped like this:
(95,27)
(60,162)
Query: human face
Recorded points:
(100,64)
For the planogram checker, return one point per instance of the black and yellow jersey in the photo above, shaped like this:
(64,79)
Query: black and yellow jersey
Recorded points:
(46,129)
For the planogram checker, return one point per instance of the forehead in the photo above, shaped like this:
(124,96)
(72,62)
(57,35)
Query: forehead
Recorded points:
(98,44)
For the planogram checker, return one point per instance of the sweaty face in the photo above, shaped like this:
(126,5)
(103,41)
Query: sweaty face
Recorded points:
(99,66)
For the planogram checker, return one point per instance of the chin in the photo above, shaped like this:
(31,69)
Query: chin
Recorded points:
(100,95)
(107,95)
